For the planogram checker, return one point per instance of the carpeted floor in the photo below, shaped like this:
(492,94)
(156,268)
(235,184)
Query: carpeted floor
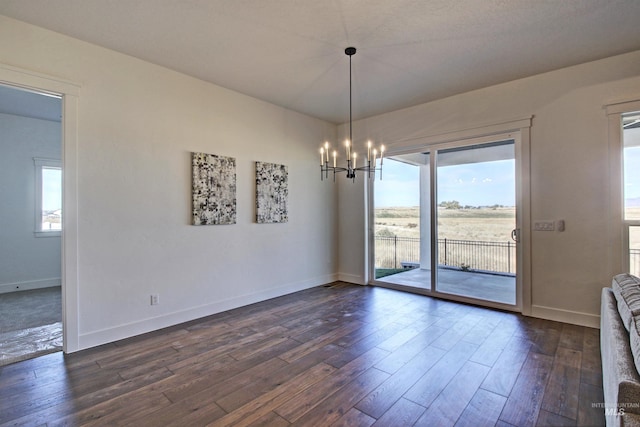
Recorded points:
(30,324)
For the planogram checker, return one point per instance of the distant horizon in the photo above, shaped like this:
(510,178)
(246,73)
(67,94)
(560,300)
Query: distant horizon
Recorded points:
(473,184)
(461,206)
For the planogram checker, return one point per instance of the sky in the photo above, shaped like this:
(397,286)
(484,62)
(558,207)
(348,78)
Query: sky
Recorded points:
(51,189)
(631,140)
(473,184)
(632,175)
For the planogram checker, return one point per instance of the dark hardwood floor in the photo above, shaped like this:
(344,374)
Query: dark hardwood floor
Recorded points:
(338,355)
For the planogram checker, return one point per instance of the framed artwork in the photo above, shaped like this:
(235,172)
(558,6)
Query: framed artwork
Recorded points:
(272,193)
(214,189)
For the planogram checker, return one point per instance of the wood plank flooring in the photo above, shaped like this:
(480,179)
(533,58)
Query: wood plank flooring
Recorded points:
(339,355)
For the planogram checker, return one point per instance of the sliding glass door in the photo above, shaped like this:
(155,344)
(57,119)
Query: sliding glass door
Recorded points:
(446,222)
(476,193)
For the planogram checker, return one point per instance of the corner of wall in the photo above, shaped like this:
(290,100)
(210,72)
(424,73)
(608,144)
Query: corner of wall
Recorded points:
(566,316)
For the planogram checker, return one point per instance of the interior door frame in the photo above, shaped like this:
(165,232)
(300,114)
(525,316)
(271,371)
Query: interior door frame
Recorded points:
(517,130)
(69,92)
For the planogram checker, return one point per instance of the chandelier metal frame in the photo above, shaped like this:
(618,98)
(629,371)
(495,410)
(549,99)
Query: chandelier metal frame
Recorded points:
(371,164)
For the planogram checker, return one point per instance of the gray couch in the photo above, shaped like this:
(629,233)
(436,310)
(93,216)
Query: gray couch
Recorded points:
(620,349)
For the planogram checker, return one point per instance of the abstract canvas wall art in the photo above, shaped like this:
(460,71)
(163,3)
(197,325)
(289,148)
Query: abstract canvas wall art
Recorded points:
(214,189)
(272,193)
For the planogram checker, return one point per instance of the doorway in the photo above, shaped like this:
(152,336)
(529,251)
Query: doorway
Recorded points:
(447,222)
(69,93)
(476,222)
(30,239)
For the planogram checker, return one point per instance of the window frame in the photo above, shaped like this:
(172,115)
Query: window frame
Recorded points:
(628,224)
(40,164)
(618,261)
(520,131)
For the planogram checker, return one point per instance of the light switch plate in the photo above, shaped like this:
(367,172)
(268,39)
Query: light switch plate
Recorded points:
(543,226)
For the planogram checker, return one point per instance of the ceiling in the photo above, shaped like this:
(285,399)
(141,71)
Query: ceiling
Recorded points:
(30,104)
(291,52)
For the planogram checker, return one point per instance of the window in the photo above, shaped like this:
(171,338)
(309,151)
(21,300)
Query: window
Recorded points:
(631,188)
(48,203)
(623,197)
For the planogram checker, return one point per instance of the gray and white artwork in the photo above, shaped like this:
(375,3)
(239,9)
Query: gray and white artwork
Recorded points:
(272,193)
(214,189)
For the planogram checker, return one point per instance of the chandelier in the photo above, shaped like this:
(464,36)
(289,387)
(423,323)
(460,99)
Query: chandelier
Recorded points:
(370,163)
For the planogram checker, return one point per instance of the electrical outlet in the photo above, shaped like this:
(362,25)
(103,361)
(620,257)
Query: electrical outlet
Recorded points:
(543,226)
(155,299)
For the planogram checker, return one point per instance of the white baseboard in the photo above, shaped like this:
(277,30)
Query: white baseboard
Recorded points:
(351,278)
(28,285)
(566,316)
(119,332)
(104,336)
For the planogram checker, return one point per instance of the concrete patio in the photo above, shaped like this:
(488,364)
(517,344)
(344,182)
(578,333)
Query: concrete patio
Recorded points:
(483,286)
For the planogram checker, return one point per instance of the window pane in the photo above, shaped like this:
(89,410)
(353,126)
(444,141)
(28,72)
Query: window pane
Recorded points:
(51,198)
(476,196)
(631,138)
(402,224)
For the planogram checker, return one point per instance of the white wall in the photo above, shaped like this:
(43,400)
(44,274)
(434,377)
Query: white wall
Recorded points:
(137,125)
(26,261)
(570,174)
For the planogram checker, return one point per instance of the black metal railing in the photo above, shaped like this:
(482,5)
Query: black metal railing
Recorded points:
(392,252)
(399,252)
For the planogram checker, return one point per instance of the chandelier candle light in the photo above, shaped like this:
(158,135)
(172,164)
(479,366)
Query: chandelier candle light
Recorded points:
(370,163)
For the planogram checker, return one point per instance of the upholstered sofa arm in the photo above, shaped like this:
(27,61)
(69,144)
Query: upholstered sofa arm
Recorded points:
(620,379)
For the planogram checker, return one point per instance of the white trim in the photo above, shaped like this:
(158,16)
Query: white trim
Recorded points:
(515,136)
(566,316)
(368,226)
(370,236)
(488,132)
(351,278)
(70,282)
(52,233)
(433,220)
(37,82)
(525,299)
(446,296)
(150,324)
(617,261)
(29,285)
(53,163)
(69,92)
(623,106)
(520,131)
